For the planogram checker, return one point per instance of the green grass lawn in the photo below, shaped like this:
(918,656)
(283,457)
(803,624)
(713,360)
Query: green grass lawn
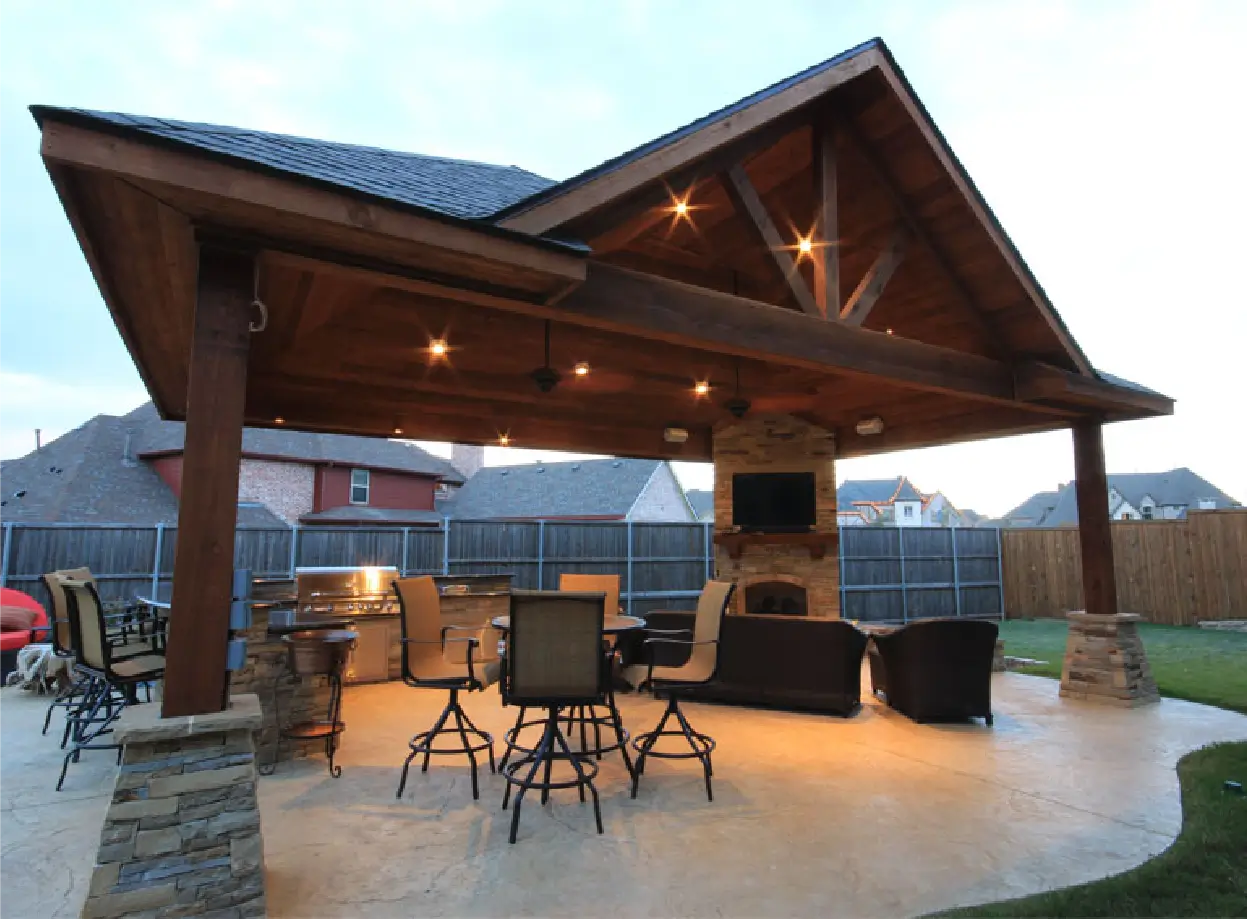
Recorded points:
(1202,665)
(1204,873)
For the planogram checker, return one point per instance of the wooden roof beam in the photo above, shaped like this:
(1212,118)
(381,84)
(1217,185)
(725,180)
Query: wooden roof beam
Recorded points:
(1039,382)
(876,278)
(748,203)
(826,252)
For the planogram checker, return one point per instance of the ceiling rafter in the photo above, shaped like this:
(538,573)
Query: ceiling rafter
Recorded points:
(748,203)
(827,229)
(905,213)
(864,298)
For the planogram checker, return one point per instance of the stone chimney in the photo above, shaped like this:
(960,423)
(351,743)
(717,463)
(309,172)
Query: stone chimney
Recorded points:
(467,460)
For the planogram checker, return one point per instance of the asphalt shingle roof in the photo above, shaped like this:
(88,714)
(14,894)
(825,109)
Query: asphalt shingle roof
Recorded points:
(457,188)
(91,475)
(377,516)
(702,503)
(876,491)
(155,437)
(1180,487)
(578,488)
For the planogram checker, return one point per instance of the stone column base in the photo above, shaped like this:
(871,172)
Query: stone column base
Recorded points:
(1105,661)
(182,835)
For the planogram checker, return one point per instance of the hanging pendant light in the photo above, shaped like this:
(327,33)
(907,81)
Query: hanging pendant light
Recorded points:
(545,376)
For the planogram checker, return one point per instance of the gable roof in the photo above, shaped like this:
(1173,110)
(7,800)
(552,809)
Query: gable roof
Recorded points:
(90,475)
(463,189)
(577,488)
(702,503)
(1178,487)
(1034,508)
(155,437)
(876,491)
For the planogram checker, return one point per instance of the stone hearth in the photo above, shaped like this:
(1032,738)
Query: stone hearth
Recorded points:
(778,443)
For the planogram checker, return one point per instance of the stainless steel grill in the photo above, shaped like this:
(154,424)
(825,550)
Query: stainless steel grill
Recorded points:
(353,592)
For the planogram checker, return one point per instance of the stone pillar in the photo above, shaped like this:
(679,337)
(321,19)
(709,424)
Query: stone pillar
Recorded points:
(1104,656)
(1105,661)
(182,835)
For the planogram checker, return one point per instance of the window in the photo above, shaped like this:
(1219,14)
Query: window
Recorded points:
(909,510)
(1147,512)
(359,486)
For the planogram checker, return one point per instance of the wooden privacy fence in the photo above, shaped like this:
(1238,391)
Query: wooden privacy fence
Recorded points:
(1174,572)
(886,573)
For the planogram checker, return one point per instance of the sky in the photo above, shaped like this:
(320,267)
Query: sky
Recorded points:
(1103,134)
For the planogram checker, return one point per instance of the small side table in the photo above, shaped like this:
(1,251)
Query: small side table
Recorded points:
(321,653)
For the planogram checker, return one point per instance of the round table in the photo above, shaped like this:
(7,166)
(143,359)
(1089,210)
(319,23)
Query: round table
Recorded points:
(611,625)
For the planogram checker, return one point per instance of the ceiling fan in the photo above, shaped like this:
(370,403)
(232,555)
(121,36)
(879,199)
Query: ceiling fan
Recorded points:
(545,376)
(737,405)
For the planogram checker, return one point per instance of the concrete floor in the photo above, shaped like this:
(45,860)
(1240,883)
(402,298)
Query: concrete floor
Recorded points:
(869,816)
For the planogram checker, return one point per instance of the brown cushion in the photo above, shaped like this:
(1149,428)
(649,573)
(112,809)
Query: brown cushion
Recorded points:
(16,619)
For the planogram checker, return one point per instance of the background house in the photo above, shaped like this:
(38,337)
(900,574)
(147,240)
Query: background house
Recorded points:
(128,469)
(1131,496)
(702,503)
(604,489)
(885,502)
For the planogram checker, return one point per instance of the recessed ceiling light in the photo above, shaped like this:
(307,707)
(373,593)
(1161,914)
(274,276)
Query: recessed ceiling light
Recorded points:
(398,430)
(279,420)
(701,387)
(438,348)
(681,208)
(504,440)
(805,245)
(889,331)
(582,369)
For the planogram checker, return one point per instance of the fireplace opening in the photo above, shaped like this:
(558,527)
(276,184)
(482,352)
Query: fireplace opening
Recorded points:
(775,598)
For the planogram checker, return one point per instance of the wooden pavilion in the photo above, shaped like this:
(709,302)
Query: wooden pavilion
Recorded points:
(815,250)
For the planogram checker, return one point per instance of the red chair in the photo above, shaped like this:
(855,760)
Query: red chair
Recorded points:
(13,641)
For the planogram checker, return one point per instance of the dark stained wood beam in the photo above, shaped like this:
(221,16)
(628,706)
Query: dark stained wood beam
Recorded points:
(1038,382)
(858,308)
(748,203)
(827,232)
(1099,584)
(903,210)
(196,681)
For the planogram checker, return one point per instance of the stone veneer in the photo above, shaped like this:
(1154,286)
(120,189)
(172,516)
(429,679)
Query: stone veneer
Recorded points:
(779,443)
(1105,661)
(182,834)
(266,675)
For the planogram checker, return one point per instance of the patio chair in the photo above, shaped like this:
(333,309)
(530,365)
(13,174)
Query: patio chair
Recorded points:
(554,660)
(585,718)
(113,680)
(426,665)
(700,668)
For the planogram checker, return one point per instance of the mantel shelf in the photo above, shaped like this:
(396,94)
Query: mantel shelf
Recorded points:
(816,543)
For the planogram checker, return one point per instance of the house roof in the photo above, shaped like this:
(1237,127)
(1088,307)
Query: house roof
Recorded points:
(155,437)
(702,503)
(349,514)
(462,189)
(1178,487)
(876,491)
(91,475)
(578,488)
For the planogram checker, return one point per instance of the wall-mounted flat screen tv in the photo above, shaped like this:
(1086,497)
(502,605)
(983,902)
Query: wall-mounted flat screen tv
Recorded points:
(773,502)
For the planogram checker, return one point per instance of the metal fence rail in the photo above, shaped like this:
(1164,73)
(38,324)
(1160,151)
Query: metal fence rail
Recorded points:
(887,574)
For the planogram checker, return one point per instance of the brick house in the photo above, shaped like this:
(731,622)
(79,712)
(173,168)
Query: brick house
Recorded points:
(128,469)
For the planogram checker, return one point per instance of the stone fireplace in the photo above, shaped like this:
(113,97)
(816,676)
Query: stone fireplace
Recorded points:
(778,575)
(774,595)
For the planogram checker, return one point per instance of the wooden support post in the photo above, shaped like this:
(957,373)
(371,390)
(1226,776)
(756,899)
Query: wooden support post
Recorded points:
(196,681)
(827,232)
(1099,583)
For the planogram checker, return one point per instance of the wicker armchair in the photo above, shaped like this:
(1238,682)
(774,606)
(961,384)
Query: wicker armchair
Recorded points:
(554,660)
(426,664)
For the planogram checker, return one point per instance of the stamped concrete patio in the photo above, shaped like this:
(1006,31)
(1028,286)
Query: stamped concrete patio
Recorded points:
(869,816)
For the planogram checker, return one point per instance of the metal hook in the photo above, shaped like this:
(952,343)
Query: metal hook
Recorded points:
(263,323)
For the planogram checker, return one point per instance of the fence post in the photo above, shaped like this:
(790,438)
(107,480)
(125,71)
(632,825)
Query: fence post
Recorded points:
(160,544)
(294,548)
(629,568)
(708,549)
(900,545)
(402,571)
(1000,574)
(8,548)
(840,561)
(956,574)
(541,554)
(445,545)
